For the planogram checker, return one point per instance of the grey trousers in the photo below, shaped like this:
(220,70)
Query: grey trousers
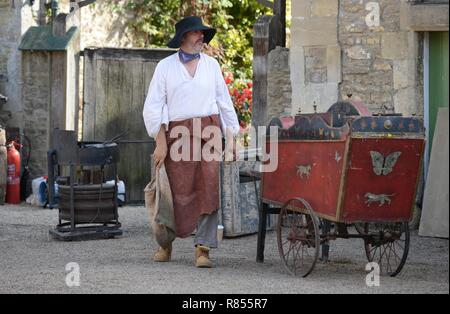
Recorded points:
(207,230)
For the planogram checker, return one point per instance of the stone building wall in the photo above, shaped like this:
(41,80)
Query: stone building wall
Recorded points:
(15,18)
(357,47)
(279,88)
(315,54)
(379,59)
(101,26)
(24,76)
(36,95)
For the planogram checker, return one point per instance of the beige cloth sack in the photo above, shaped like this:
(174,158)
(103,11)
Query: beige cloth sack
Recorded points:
(159,202)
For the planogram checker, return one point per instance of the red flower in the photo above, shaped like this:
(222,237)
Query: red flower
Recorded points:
(241,95)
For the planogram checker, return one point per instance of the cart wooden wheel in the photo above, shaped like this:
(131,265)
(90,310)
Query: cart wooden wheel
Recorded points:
(298,237)
(387,244)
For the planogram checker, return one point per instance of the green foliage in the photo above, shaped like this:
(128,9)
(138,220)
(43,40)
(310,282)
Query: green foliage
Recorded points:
(153,25)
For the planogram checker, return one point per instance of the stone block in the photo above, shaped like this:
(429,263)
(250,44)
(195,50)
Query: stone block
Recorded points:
(353,88)
(297,66)
(5,4)
(380,98)
(315,57)
(5,18)
(376,40)
(381,78)
(415,49)
(301,8)
(324,95)
(347,40)
(278,82)
(319,52)
(351,6)
(382,65)
(390,15)
(239,200)
(317,31)
(317,75)
(325,8)
(394,45)
(278,59)
(422,18)
(355,27)
(358,53)
(356,66)
(404,74)
(334,64)
(405,101)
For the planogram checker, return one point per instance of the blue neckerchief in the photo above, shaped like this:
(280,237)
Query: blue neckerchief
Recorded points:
(186,57)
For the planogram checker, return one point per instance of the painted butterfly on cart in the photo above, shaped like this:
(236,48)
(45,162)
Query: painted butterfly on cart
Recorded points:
(384,165)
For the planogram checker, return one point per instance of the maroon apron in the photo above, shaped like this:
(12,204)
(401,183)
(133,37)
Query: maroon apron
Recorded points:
(194,184)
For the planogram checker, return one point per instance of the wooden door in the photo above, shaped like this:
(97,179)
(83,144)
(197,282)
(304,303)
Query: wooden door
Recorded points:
(115,86)
(438,78)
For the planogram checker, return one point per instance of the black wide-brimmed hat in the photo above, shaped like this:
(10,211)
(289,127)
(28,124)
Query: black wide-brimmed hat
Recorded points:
(188,24)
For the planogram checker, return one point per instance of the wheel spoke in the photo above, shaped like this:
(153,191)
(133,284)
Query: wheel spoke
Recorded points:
(294,261)
(388,244)
(388,258)
(297,253)
(297,237)
(396,255)
(402,247)
(291,247)
(379,260)
(384,254)
(303,255)
(374,251)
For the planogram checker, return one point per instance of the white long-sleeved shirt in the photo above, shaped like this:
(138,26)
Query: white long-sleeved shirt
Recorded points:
(175,95)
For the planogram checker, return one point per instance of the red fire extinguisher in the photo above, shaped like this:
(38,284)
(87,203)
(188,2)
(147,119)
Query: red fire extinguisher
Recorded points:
(13,180)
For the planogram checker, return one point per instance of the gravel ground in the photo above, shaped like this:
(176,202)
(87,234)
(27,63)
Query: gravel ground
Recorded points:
(32,262)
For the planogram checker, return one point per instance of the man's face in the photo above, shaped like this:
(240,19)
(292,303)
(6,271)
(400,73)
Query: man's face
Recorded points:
(194,40)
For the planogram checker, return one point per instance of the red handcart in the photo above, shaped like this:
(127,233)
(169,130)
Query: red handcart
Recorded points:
(339,169)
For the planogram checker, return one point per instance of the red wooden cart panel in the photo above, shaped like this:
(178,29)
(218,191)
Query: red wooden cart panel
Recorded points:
(311,170)
(388,195)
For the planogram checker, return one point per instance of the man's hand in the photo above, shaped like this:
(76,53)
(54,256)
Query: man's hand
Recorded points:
(230,153)
(230,148)
(160,153)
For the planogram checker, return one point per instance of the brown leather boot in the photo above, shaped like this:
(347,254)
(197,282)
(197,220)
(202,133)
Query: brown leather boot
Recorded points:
(202,257)
(163,254)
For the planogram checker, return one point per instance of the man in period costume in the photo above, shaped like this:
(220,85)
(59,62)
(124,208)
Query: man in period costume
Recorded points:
(188,91)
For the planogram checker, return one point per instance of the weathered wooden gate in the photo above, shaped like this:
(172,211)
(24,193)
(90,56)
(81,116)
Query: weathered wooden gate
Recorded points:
(115,86)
